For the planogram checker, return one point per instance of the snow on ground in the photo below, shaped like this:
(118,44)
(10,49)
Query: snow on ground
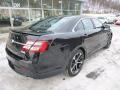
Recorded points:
(100,72)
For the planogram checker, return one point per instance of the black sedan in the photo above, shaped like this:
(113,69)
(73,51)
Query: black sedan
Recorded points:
(55,45)
(20,18)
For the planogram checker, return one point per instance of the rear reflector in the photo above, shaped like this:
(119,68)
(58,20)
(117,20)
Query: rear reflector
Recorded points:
(38,46)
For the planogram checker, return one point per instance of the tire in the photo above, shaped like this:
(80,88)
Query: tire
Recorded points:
(108,42)
(75,64)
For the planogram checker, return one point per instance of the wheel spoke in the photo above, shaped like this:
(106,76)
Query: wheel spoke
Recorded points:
(78,57)
(79,62)
(76,67)
(73,67)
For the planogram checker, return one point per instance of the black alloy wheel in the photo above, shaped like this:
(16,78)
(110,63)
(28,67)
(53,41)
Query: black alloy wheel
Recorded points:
(76,62)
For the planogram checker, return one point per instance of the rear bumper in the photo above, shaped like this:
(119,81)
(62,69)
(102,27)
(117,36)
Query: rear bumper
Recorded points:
(28,69)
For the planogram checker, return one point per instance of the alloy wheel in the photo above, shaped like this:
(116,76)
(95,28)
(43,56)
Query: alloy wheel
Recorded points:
(77,62)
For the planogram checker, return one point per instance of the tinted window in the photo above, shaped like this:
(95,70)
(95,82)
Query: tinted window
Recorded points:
(97,23)
(79,27)
(54,24)
(88,24)
(45,24)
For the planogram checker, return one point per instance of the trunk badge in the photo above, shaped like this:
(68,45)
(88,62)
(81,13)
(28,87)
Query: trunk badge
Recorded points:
(12,41)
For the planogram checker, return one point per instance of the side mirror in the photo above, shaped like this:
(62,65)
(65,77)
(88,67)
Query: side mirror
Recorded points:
(105,26)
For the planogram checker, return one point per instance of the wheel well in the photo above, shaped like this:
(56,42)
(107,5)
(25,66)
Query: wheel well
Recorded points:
(83,51)
(111,34)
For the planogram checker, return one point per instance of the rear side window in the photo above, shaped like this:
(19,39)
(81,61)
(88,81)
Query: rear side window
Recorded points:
(97,23)
(88,25)
(79,27)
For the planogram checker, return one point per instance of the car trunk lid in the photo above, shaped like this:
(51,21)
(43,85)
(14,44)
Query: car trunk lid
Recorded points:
(17,39)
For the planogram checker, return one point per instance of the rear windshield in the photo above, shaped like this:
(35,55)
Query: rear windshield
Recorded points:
(51,24)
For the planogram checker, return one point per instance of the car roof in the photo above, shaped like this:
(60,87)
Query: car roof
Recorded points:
(75,16)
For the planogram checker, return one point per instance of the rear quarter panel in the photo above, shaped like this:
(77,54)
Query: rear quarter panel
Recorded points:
(57,55)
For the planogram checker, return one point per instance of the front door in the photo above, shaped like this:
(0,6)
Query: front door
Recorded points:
(91,40)
(103,35)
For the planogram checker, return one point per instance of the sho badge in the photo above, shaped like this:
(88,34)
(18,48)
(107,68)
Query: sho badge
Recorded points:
(12,41)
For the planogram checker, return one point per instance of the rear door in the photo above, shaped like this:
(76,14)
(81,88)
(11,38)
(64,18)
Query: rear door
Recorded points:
(91,40)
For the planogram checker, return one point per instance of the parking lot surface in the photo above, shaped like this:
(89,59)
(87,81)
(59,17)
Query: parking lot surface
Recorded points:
(101,71)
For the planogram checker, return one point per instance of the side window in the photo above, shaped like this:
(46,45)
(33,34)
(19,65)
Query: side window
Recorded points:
(88,24)
(97,23)
(79,27)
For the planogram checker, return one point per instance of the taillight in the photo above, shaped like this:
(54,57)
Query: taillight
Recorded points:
(38,46)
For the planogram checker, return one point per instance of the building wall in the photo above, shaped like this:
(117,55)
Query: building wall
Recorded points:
(37,9)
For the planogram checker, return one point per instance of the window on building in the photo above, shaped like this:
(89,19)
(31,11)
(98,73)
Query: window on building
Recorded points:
(71,12)
(47,4)
(57,4)
(47,13)
(4,13)
(35,3)
(74,5)
(36,14)
(66,4)
(57,12)
(5,3)
(65,12)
